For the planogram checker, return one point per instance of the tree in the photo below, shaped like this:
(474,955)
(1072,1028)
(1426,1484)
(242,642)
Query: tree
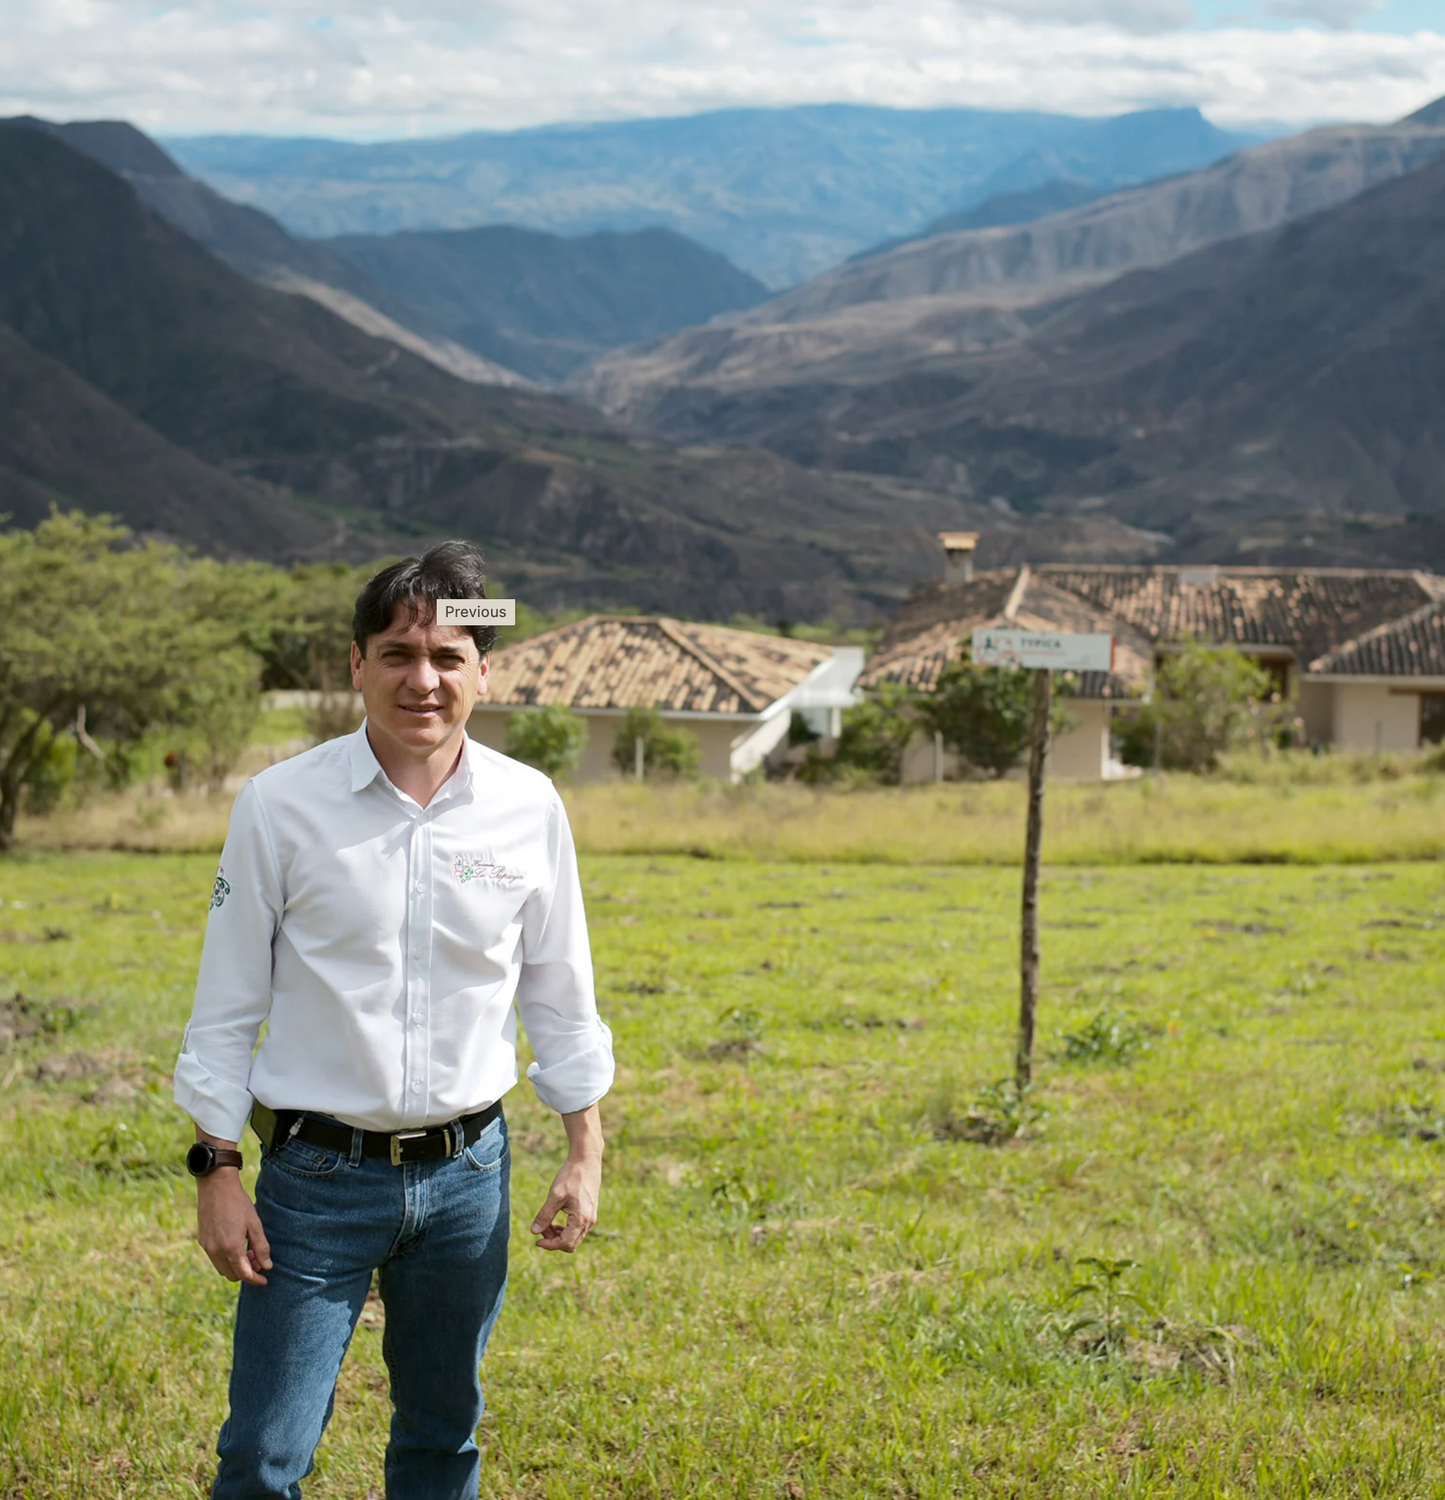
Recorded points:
(549,738)
(1207,700)
(224,702)
(305,638)
(982,712)
(666,752)
(874,734)
(104,638)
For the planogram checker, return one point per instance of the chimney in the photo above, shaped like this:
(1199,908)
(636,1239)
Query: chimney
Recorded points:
(958,550)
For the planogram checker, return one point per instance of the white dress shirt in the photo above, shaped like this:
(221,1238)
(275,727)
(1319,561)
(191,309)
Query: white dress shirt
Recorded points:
(389,948)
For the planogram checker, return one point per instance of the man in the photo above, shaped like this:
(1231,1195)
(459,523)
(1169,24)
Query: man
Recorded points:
(387,904)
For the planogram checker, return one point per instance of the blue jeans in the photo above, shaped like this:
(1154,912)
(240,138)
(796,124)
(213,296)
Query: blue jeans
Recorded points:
(438,1233)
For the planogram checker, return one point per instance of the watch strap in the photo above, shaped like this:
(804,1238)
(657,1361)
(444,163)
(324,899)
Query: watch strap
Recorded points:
(203,1158)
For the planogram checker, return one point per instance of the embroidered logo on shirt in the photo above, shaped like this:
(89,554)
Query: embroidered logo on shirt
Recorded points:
(220,890)
(469,867)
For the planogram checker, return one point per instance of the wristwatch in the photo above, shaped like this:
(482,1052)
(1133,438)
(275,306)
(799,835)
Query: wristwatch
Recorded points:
(203,1158)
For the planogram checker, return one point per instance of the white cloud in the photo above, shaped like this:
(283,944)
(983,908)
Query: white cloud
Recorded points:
(366,68)
(1337,13)
(1141,16)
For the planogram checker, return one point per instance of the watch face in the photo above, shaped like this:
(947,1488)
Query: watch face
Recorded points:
(201,1159)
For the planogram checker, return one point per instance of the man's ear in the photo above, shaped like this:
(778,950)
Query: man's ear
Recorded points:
(356,666)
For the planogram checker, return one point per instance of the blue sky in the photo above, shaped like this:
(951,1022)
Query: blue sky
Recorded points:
(1401,17)
(369,69)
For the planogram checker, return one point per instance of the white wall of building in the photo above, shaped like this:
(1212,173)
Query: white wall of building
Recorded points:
(715,738)
(1081,752)
(918,764)
(1369,716)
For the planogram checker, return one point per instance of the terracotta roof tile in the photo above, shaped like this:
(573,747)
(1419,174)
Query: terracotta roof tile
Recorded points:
(1412,647)
(627,661)
(1307,611)
(931,628)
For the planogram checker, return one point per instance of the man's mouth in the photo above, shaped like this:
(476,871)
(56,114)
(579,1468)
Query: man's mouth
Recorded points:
(420,708)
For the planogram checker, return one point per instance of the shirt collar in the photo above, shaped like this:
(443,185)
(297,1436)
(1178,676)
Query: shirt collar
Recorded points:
(365,767)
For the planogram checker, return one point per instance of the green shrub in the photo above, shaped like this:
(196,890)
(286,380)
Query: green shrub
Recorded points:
(224,705)
(549,738)
(1106,1037)
(50,776)
(873,737)
(1207,701)
(666,751)
(983,713)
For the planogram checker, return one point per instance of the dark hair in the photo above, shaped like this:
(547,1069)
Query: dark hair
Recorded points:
(450,570)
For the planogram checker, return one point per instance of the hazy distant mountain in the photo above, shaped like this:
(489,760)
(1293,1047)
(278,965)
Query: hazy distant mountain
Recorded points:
(1272,397)
(782,193)
(140,375)
(1002,209)
(768,374)
(543,304)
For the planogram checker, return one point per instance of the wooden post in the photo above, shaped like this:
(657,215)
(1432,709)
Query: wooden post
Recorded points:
(639,751)
(937,755)
(1029,931)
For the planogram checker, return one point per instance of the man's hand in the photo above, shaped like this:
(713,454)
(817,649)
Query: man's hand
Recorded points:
(228,1226)
(576,1188)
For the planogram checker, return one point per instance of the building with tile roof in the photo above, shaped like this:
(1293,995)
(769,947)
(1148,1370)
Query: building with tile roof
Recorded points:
(1387,686)
(734,689)
(1361,649)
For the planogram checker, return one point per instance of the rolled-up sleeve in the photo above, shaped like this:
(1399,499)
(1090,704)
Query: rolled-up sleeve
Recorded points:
(555,995)
(233,990)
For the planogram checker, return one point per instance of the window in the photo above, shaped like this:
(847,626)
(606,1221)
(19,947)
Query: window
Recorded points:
(1432,718)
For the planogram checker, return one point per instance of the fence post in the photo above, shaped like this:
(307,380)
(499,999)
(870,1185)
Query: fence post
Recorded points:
(638,754)
(1029,928)
(937,755)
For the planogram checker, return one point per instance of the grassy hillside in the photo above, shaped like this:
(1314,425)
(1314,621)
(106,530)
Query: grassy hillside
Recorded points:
(802,1284)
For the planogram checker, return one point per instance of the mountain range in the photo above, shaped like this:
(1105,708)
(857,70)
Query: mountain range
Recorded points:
(142,376)
(495,305)
(1015,367)
(782,193)
(1237,363)
(957,292)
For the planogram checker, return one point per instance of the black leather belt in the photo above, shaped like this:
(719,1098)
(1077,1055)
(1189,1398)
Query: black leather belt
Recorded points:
(275,1127)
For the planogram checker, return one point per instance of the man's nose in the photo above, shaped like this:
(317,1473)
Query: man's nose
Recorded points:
(421,676)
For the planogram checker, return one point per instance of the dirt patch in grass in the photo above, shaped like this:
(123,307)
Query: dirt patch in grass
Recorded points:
(100,1078)
(24,1016)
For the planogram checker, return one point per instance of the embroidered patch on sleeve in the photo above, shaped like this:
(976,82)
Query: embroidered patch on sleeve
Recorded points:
(469,867)
(220,890)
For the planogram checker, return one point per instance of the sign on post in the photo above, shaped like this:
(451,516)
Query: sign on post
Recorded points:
(1044,652)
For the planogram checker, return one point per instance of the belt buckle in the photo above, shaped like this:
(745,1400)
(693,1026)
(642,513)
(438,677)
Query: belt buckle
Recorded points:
(398,1138)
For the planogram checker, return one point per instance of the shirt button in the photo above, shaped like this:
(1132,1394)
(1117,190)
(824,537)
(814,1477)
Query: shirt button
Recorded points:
(416,1086)
(420,888)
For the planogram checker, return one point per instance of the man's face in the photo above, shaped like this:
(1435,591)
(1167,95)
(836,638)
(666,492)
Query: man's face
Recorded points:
(419,682)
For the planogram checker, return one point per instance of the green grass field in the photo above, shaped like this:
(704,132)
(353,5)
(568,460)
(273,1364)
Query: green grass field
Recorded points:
(800,1285)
